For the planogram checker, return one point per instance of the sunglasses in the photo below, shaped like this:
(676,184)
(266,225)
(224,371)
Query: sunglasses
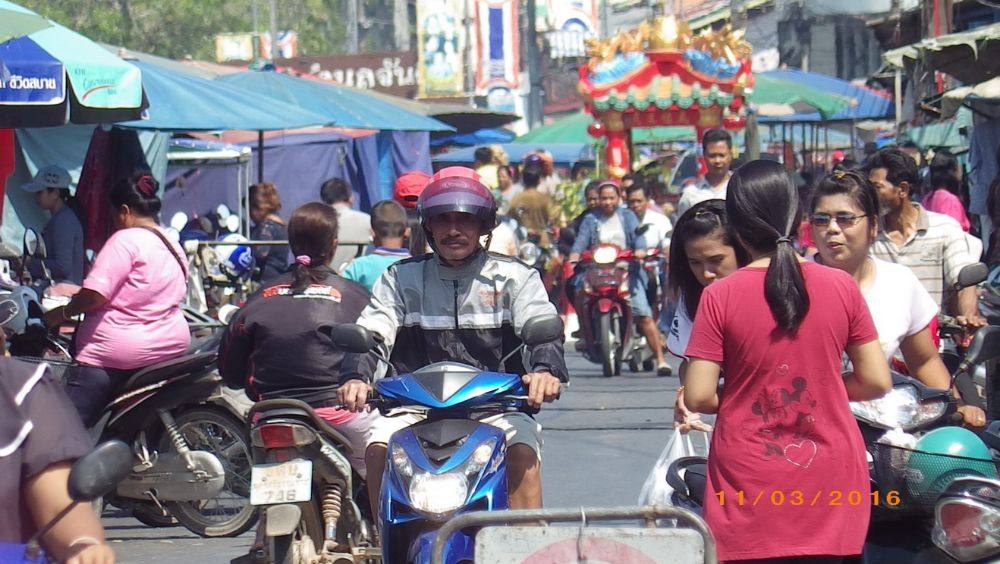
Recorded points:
(842,219)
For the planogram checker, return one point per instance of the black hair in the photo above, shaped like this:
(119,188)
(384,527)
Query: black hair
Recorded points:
(714,136)
(334,191)
(417,241)
(853,185)
(944,172)
(762,205)
(484,155)
(388,219)
(531,176)
(593,185)
(138,192)
(637,187)
(312,229)
(703,219)
(914,147)
(899,167)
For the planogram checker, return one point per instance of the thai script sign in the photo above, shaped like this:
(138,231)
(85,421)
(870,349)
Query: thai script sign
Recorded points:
(390,72)
(29,75)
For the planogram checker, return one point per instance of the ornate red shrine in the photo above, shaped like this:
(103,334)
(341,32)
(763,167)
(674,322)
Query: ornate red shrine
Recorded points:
(662,75)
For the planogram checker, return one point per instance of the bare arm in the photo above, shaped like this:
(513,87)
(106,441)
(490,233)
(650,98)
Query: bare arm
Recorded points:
(923,360)
(84,302)
(701,385)
(870,378)
(78,537)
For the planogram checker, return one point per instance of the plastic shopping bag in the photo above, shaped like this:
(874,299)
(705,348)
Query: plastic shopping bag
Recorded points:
(656,490)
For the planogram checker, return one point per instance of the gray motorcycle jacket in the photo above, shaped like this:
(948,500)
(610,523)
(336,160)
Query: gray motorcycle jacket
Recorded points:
(425,312)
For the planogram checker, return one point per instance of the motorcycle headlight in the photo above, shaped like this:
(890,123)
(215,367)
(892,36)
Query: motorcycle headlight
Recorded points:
(968,530)
(605,255)
(438,495)
(900,408)
(530,253)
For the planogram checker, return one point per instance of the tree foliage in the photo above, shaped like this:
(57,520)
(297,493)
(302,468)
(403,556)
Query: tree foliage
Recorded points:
(182,28)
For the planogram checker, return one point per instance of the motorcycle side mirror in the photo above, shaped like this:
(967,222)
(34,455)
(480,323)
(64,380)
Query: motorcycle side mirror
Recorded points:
(985,346)
(100,470)
(972,275)
(31,241)
(8,311)
(541,330)
(232,223)
(223,211)
(352,338)
(642,229)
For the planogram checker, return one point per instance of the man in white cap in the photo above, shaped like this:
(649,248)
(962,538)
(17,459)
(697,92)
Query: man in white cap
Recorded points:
(63,234)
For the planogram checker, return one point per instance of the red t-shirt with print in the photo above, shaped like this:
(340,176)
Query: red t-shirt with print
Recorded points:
(787,473)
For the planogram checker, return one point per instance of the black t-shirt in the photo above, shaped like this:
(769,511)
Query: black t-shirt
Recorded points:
(278,345)
(38,427)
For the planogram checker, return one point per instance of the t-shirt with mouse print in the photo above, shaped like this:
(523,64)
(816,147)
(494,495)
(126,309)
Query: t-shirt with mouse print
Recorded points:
(787,473)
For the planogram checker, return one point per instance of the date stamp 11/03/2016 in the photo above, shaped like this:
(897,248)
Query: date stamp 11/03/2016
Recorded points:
(796,498)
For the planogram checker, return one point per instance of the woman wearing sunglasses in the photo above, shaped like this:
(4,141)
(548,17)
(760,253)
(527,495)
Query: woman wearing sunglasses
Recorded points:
(844,222)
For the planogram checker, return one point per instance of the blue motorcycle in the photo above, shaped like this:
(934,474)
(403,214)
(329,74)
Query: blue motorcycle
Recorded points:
(450,463)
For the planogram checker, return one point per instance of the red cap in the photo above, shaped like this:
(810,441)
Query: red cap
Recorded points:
(409,186)
(838,156)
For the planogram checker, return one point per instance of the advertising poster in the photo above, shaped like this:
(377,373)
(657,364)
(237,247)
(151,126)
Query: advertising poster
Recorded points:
(440,48)
(497,45)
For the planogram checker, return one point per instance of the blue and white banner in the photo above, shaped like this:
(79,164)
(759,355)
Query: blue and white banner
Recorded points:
(29,75)
(497,45)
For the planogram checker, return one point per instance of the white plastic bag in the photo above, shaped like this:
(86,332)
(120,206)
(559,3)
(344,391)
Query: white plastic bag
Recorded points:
(656,490)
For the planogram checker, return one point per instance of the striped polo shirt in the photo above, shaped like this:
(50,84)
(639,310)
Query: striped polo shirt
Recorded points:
(936,251)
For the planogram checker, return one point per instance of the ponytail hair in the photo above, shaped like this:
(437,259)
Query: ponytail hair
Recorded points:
(763,206)
(311,233)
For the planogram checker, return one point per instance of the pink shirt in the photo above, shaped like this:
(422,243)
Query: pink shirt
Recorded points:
(787,474)
(142,323)
(943,201)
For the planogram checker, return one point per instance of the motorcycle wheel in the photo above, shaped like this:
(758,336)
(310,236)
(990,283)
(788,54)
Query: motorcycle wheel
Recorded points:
(611,362)
(648,364)
(229,513)
(298,547)
(151,516)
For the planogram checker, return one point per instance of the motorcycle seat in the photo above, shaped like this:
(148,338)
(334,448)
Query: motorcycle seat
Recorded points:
(173,367)
(301,410)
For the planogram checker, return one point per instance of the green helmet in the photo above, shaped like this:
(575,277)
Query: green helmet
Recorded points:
(943,455)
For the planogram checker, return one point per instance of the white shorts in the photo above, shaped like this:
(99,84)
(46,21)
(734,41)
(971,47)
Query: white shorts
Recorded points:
(518,427)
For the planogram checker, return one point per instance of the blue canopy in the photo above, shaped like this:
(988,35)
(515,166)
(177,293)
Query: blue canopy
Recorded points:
(478,137)
(868,104)
(184,102)
(341,106)
(562,153)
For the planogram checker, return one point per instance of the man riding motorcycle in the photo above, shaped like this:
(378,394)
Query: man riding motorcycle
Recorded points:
(463,304)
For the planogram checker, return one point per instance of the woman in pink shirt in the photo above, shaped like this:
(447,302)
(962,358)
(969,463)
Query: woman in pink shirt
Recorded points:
(787,476)
(131,301)
(946,185)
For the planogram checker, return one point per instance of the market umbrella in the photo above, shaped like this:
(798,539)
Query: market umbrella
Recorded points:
(52,76)
(19,22)
(864,103)
(344,106)
(180,101)
(776,97)
(573,129)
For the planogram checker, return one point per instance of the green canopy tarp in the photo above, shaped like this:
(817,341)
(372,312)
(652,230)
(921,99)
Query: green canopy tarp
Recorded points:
(774,96)
(573,129)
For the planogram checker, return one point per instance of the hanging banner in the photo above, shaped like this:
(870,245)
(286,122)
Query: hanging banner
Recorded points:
(573,15)
(29,74)
(441,48)
(497,45)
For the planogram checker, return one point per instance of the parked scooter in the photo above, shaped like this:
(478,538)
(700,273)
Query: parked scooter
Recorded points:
(313,505)
(449,463)
(91,477)
(190,443)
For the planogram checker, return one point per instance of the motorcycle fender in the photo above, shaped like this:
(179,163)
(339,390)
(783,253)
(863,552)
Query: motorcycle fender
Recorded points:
(172,480)
(282,519)
(604,305)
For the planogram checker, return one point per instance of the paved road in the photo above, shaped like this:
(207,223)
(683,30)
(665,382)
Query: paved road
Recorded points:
(601,440)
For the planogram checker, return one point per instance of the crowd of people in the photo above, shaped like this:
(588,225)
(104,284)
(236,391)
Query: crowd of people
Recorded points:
(849,272)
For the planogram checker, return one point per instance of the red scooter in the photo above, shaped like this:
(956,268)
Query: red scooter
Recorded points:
(608,306)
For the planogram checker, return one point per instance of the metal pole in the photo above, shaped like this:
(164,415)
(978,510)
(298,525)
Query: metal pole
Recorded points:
(274,30)
(534,69)
(260,157)
(352,26)
(255,38)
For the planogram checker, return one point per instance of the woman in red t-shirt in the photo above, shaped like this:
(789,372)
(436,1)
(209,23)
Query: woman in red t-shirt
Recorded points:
(787,475)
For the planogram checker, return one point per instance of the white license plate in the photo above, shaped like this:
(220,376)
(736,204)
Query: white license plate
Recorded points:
(282,482)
